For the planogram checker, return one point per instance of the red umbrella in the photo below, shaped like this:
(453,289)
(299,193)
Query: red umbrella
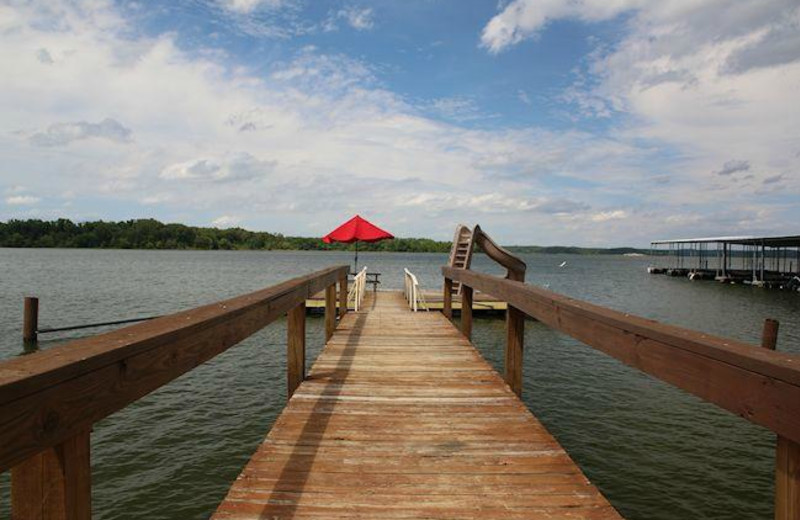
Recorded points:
(357,230)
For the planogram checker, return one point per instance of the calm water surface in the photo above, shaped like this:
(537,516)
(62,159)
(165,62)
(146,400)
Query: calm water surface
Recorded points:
(654,451)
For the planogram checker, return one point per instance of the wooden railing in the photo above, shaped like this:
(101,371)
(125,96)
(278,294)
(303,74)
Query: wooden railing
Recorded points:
(515,319)
(758,384)
(49,400)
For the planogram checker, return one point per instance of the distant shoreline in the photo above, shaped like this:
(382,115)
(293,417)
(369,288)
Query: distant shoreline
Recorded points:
(150,234)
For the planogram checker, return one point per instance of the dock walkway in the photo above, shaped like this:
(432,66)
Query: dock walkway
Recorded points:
(401,417)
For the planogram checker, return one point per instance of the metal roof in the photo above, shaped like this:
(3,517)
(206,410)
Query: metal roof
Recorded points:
(773,241)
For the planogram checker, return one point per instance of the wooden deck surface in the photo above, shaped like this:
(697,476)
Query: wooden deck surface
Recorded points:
(402,418)
(482,303)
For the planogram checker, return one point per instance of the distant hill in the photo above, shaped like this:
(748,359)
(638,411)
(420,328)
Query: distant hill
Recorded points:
(573,250)
(152,234)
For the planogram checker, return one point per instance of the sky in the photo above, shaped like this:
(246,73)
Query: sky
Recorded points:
(549,122)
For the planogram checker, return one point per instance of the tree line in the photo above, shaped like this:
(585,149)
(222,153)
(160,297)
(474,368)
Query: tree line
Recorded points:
(152,234)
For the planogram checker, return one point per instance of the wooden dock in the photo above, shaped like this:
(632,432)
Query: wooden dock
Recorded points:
(482,303)
(401,417)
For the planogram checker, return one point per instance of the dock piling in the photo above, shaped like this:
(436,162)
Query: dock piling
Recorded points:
(30,321)
(769,336)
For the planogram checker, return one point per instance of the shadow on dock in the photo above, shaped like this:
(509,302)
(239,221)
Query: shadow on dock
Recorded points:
(298,466)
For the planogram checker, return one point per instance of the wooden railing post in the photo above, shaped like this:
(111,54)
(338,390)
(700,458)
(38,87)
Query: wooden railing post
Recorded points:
(342,295)
(55,483)
(466,311)
(787,452)
(515,339)
(330,311)
(30,321)
(295,347)
(787,479)
(447,302)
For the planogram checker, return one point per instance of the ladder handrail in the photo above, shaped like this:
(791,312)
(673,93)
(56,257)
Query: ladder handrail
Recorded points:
(357,291)
(464,236)
(414,296)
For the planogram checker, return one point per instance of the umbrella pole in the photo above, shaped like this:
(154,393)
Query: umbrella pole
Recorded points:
(355,271)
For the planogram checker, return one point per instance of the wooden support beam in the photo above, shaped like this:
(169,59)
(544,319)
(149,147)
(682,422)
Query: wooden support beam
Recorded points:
(30,320)
(466,311)
(787,479)
(330,311)
(447,305)
(515,338)
(54,484)
(343,295)
(296,347)
(787,452)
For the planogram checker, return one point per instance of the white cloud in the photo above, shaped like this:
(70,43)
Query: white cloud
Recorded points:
(523,19)
(226,221)
(458,108)
(358,18)
(711,85)
(318,137)
(604,216)
(22,200)
(231,168)
(60,134)
(248,6)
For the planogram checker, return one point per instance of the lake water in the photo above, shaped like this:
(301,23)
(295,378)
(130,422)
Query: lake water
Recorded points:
(654,451)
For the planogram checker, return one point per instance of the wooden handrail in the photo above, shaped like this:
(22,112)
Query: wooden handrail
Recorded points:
(50,396)
(514,265)
(760,385)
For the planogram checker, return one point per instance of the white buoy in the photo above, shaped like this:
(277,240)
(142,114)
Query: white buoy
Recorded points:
(563,264)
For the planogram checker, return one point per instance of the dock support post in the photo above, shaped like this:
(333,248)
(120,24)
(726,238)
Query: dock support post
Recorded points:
(342,296)
(466,311)
(296,347)
(30,321)
(447,302)
(515,337)
(787,453)
(769,335)
(54,484)
(787,479)
(330,311)
(724,259)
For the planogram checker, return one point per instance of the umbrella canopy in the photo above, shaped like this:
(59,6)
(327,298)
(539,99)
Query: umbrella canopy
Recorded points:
(357,230)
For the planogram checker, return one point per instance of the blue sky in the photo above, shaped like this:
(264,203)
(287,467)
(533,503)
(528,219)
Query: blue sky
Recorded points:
(580,122)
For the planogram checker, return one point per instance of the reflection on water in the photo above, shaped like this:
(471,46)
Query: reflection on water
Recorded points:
(656,452)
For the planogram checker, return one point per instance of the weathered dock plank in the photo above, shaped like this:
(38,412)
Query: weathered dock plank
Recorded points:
(402,418)
(481,303)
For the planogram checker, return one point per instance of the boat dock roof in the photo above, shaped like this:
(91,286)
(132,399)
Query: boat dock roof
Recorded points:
(769,241)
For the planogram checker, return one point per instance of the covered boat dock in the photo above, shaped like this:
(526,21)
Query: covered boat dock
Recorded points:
(772,261)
